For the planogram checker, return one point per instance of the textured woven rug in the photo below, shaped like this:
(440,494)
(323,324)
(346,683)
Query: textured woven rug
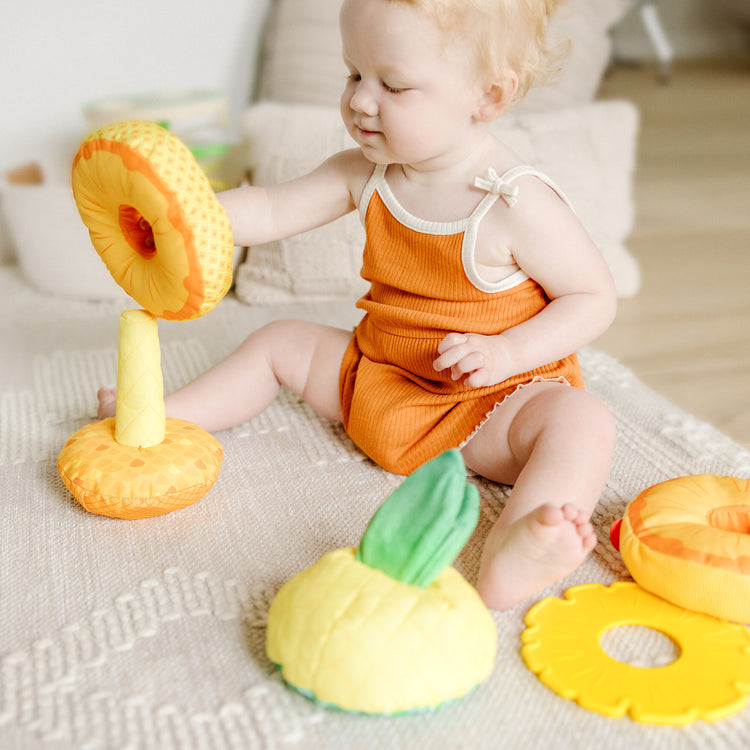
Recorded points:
(150,634)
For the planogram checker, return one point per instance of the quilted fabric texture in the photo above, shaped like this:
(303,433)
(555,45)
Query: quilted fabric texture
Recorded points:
(154,219)
(124,482)
(360,640)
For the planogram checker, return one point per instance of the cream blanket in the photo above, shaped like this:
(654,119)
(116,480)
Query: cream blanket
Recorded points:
(150,634)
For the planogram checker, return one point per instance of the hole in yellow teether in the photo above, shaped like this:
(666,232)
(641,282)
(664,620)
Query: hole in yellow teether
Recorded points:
(137,231)
(734,518)
(640,646)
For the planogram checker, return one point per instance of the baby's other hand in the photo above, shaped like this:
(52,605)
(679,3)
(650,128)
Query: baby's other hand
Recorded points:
(480,360)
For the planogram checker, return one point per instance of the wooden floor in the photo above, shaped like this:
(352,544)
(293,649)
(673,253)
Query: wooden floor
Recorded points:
(687,334)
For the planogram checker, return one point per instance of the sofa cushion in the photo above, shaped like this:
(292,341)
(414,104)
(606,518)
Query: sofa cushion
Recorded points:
(589,150)
(303,65)
(583,26)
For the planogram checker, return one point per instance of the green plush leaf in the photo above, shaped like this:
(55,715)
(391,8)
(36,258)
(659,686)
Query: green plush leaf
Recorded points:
(424,523)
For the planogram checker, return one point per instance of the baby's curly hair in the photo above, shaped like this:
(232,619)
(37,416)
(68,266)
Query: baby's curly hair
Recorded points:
(508,34)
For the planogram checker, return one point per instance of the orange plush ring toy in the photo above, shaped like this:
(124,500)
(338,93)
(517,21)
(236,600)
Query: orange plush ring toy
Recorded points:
(688,541)
(157,224)
(122,481)
(154,219)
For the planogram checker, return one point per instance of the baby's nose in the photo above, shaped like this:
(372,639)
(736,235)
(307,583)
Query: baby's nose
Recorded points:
(362,101)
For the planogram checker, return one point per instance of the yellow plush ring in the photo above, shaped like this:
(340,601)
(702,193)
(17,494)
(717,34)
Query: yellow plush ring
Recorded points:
(709,680)
(154,219)
(128,482)
(688,540)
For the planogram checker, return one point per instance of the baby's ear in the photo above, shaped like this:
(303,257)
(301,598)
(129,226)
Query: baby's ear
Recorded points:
(497,97)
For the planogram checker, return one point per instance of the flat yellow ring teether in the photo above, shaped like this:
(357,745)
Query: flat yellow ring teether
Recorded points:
(709,680)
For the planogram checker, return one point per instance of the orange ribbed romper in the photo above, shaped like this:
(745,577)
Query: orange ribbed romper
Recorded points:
(424,284)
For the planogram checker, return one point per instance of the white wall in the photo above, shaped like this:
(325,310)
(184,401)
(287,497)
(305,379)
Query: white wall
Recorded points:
(56,55)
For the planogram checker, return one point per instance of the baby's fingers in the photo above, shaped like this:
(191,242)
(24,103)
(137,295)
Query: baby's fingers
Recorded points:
(467,364)
(479,378)
(451,340)
(449,358)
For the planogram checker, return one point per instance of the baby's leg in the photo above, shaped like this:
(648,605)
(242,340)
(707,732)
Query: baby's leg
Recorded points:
(554,444)
(304,357)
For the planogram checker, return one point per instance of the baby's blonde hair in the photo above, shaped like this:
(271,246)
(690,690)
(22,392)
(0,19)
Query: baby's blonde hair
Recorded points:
(507,34)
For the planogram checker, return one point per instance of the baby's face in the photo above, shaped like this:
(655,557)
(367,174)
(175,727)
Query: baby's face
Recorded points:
(412,92)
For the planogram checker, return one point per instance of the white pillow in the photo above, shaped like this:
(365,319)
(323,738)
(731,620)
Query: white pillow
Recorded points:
(588,150)
(303,65)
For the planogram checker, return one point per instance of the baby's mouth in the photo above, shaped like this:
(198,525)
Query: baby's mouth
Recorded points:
(365,133)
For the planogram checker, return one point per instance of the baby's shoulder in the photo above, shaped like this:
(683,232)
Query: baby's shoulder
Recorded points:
(355,169)
(525,189)
(502,165)
(526,195)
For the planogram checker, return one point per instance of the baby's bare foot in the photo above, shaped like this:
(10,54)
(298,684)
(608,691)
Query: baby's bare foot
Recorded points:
(107,402)
(523,558)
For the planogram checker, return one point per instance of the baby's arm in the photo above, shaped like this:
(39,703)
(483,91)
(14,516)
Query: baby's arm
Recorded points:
(551,247)
(263,214)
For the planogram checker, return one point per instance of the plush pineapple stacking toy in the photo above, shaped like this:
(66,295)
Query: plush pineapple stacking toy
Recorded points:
(390,627)
(156,223)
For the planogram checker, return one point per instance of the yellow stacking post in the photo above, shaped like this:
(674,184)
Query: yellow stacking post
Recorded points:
(140,418)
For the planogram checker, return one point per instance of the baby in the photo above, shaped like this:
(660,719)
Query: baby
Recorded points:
(483,285)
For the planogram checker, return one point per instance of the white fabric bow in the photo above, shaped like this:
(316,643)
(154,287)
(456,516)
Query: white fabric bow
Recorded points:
(497,186)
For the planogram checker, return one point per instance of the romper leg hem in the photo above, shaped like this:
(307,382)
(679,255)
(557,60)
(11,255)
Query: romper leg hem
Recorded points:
(498,404)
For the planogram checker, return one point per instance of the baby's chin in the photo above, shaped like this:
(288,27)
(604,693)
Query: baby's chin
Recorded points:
(373,158)
(372,155)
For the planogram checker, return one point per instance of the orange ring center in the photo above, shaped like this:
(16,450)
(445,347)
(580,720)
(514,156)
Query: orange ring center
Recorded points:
(137,231)
(734,518)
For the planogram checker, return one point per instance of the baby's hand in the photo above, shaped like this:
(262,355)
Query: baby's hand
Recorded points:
(480,360)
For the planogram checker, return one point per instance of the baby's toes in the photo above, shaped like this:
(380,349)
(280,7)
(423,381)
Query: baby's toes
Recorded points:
(588,542)
(106,398)
(572,513)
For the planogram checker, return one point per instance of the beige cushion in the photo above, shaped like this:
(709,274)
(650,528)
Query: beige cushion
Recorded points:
(303,53)
(285,141)
(588,150)
(584,25)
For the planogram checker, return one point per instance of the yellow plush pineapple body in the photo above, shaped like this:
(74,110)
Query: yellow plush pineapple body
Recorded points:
(390,627)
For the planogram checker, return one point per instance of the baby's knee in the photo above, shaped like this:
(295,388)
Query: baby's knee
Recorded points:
(274,337)
(596,421)
(582,416)
(276,330)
